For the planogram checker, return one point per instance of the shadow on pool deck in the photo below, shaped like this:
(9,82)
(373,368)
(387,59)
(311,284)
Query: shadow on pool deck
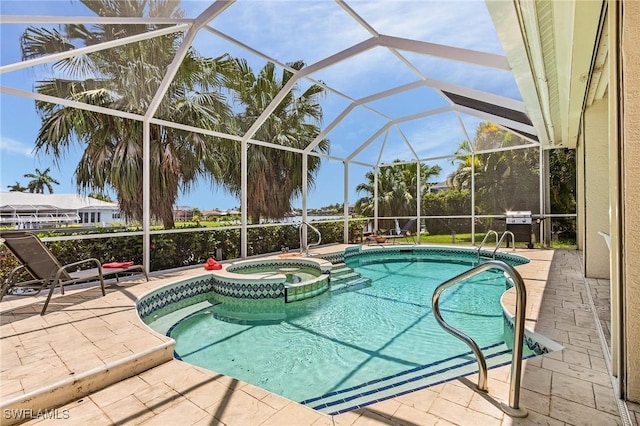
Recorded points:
(95,360)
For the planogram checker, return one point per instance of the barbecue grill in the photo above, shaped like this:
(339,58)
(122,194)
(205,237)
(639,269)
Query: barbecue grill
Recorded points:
(520,223)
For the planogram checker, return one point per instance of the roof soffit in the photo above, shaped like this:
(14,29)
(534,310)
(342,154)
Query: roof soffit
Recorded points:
(513,25)
(577,31)
(552,59)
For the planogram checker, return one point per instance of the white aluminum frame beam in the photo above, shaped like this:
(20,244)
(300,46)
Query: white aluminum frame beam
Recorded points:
(209,13)
(458,54)
(392,122)
(394,44)
(517,125)
(70,103)
(90,49)
(111,20)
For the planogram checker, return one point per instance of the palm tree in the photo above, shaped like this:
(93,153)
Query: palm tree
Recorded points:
(498,173)
(460,179)
(40,181)
(100,196)
(274,176)
(126,78)
(397,189)
(17,187)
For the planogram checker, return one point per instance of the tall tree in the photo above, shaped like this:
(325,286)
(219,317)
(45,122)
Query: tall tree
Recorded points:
(505,179)
(126,78)
(274,176)
(397,189)
(41,180)
(17,187)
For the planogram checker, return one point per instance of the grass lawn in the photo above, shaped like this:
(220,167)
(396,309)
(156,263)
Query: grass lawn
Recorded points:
(466,239)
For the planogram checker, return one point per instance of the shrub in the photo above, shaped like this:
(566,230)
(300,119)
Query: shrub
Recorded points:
(174,250)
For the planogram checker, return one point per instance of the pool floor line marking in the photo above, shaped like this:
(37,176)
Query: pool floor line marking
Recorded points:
(404,372)
(409,382)
(445,380)
(324,407)
(465,370)
(395,381)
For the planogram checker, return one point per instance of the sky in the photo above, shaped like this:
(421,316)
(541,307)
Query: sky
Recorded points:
(308,30)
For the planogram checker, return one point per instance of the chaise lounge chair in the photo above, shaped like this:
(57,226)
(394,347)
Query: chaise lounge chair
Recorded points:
(47,272)
(400,233)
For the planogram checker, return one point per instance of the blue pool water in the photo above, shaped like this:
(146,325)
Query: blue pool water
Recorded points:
(382,337)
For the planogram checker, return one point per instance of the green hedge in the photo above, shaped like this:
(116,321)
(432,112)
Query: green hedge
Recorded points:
(174,250)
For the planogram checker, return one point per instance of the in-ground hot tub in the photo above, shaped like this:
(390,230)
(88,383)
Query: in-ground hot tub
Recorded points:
(240,291)
(290,279)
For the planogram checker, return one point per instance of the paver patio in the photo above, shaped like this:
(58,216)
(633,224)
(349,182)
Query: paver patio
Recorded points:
(86,341)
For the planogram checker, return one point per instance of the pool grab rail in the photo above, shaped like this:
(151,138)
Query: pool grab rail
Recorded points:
(513,409)
(486,237)
(305,245)
(504,234)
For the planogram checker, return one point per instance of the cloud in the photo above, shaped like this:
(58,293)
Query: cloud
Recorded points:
(466,24)
(13,146)
(291,30)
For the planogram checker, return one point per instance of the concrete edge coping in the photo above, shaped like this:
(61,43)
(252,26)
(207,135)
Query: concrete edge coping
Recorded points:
(87,382)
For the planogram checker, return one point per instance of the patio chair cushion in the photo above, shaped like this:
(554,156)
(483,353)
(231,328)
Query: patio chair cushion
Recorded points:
(117,265)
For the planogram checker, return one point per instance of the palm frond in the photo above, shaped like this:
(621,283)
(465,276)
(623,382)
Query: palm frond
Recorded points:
(37,42)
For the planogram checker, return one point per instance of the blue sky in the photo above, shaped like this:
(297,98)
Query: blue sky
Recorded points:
(308,30)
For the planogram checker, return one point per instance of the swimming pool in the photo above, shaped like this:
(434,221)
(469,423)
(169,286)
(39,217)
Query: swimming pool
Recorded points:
(342,350)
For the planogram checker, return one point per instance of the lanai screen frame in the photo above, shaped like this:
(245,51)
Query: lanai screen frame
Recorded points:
(506,112)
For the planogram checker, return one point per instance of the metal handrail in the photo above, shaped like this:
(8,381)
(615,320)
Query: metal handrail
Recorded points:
(486,237)
(504,234)
(308,225)
(513,408)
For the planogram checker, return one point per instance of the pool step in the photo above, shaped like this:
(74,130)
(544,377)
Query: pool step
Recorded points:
(352,285)
(343,278)
(407,381)
(340,269)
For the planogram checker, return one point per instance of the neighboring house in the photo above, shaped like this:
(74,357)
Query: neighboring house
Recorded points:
(182,213)
(210,214)
(24,210)
(438,187)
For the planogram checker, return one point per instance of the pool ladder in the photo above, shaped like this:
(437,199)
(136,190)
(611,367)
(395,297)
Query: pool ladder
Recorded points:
(513,409)
(306,246)
(499,239)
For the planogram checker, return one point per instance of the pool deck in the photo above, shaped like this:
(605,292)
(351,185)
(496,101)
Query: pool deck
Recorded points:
(94,359)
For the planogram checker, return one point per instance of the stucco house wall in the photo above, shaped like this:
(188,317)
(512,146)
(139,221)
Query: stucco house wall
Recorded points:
(631,191)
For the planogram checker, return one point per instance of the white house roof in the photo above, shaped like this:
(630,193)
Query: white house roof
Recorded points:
(26,200)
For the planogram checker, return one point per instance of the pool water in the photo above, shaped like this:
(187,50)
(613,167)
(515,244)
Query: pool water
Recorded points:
(338,342)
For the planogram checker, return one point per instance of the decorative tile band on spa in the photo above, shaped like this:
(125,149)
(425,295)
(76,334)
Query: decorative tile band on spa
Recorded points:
(268,265)
(249,290)
(156,302)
